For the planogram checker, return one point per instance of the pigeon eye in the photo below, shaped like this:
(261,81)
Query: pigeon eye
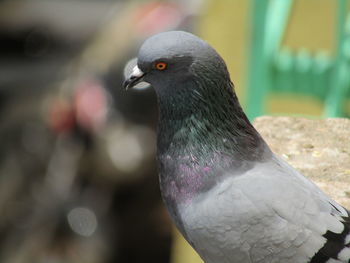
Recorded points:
(161,65)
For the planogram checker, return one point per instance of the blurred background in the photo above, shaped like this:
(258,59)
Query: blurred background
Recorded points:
(78,178)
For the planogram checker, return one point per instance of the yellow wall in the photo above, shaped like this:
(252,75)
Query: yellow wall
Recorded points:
(225,24)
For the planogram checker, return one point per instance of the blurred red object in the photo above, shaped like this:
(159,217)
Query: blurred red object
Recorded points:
(61,116)
(91,105)
(156,17)
(88,109)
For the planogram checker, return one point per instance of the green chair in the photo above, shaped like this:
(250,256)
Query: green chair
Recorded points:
(276,69)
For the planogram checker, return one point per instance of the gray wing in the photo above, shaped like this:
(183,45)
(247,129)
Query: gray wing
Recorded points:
(269,214)
(320,214)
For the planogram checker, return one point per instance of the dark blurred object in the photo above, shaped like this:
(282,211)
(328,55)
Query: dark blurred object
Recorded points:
(39,37)
(78,180)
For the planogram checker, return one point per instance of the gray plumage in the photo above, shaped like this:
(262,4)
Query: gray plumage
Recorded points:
(230,196)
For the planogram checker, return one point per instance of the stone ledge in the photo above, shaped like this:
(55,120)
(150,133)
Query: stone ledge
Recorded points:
(320,149)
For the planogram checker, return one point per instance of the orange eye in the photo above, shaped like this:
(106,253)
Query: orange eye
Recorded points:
(161,65)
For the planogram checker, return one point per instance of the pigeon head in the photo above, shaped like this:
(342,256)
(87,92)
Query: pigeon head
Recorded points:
(167,59)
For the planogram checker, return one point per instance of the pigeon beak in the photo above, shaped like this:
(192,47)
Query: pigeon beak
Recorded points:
(134,78)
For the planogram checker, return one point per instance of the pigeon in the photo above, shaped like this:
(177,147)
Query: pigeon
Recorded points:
(230,196)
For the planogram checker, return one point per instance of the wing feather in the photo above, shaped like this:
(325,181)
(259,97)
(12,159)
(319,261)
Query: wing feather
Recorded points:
(271,213)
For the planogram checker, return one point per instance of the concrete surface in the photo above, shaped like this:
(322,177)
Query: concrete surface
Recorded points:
(319,149)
